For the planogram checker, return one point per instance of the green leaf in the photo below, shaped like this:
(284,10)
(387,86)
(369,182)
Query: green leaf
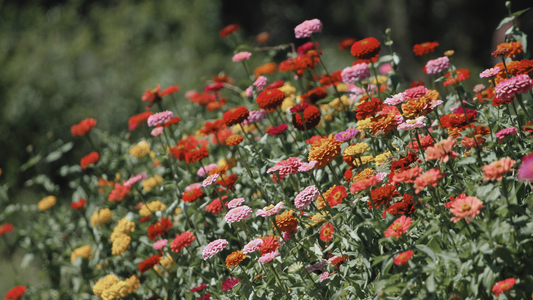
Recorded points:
(430,283)
(53,156)
(518,13)
(31,162)
(505,20)
(427,250)
(467,161)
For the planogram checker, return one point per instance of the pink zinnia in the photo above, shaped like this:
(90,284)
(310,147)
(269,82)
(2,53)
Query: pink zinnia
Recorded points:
(431,177)
(269,210)
(398,227)
(241,56)
(307,28)
(214,247)
(403,258)
(209,180)
(306,167)
(465,207)
(317,266)
(506,89)
(385,68)
(235,202)
(160,244)
(190,93)
(252,246)
(157,131)
(381,175)
(286,167)
(266,258)
(437,65)
(415,92)
(442,150)
(205,170)
(254,116)
(503,286)
(159,118)
(259,83)
(194,186)
(135,179)
(305,197)
(348,134)
(413,124)
(488,73)
(354,73)
(495,170)
(525,171)
(505,132)
(363,184)
(199,287)
(229,283)
(324,276)
(478,88)
(407,175)
(395,99)
(238,214)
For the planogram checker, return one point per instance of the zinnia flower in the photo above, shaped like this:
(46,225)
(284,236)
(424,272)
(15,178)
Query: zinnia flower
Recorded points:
(214,247)
(465,207)
(505,90)
(424,48)
(46,203)
(413,124)
(307,28)
(210,179)
(495,170)
(253,246)
(215,207)
(336,196)
(231,28)
(366,48)
(234,140)
(270,99)
(395,99)
(6,228)
(119,192)
(442,151)
(238,214)
(270,210)
(503,286)
(305,197)
(268,257)
(135,120)
(363,184)
(274,131)
(437,65)
(229,283)
(398,227)
(16,292)
(241,56)
(235,258)
(83,127)
(505,132)
(346,135)
(148,263)
(354,73)
(89,159)
(198,288)
(160,244)
(403,258)
(431,177)
(77,204)
(326,232)
(346,43)
(324,151)
(286,221)
(525,171)
(235,202)
(235,115)
(159,118)
(135,179)
(488,73)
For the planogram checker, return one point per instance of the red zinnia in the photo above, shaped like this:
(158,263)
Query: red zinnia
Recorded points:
(236,115)
(199,287)
(369,108)
(403,258)
(383,195)
(346,43)
(424,48)
(336,195)
(202,98)
(502,286)
(215,207)
(183,240)
(16,292)
(270,244)
(83,127)
(119,192)
(326,232)
(333,79)
(192,195)
(366,48)
(142,220)
(270,99)
(275,84)
(404,207)
(278,129)
(228,181)
(148,263)
(6,228)
(88,159)
(314,95)
(231,28)
(196,155)
(159,228)
(311,117)
(172,121)
(78,204)
(135,120)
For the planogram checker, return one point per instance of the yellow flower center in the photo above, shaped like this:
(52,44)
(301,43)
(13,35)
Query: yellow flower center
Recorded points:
(411,121)
(269,207)
(465,207)
(396,226)
(337,195)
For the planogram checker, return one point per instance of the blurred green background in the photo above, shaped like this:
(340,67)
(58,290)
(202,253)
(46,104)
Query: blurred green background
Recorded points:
(64,61)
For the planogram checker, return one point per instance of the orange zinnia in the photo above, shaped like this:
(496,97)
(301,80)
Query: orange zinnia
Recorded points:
(324,151)
(235,258)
